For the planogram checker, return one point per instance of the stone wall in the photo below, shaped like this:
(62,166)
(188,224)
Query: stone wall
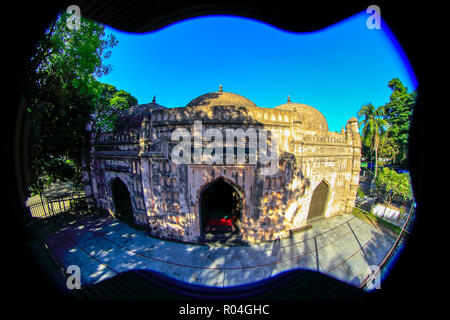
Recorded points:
(165,196)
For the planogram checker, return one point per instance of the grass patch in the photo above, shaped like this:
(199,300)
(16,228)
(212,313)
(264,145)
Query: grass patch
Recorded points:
(375,221)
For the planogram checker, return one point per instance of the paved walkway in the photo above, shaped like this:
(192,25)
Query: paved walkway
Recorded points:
(342,247)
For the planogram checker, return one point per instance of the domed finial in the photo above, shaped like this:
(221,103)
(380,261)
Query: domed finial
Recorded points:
(289,99)
(154,99)
(220,88)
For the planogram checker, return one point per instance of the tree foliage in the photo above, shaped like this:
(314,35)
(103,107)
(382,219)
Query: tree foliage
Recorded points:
(398,113)
(61,92)
(389,149)
(385,128)
(374,127)
(394,184)
(111,103)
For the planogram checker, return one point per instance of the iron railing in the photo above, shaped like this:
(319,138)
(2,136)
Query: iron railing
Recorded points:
(401,236)
(45,206)
(369,202)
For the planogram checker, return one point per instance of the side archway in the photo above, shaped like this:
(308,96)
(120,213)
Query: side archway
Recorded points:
(319,201)
(123,209)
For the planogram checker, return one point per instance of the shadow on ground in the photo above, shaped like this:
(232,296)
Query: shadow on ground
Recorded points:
(294,284)
(121,262)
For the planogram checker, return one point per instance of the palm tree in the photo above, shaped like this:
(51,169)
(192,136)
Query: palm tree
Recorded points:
(374,128)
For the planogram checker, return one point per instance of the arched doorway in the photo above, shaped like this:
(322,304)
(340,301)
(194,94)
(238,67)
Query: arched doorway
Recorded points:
(318,201)
(220,207)
(122,201)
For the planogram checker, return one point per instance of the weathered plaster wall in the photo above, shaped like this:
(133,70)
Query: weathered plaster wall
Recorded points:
(165,196)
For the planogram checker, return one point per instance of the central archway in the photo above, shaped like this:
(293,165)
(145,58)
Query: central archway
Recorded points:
(122,201)
(220,207)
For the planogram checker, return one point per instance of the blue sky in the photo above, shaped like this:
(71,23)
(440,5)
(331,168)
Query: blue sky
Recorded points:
(335,70)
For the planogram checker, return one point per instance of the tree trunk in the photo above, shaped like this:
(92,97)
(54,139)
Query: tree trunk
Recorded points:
(376,164)
(384,211)
(372,185)
(386,204)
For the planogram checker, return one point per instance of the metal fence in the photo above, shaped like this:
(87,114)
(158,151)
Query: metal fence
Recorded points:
(44,207)
(394,211)
(405,229)
(373,202)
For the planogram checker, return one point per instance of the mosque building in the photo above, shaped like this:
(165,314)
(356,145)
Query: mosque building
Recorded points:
(273,172)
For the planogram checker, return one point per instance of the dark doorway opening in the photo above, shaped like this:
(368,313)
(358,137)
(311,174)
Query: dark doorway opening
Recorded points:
(318,201)
(122,201)
(221,206)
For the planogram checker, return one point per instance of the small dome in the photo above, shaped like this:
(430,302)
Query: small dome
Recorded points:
(133,117)
(221,98)
(311,118)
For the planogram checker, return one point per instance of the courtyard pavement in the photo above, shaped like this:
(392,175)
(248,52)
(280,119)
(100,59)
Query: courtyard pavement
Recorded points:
(342,247)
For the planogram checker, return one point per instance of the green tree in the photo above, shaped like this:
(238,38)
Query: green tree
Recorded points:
(111,103)
(394,184)
(389,149)
(398,114)
(61,92)
(373,130)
